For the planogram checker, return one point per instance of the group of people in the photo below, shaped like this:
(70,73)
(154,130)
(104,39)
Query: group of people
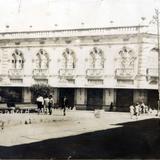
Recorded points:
(137,109)
(46,104)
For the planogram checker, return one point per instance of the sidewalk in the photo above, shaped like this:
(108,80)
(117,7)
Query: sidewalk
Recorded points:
(44,127)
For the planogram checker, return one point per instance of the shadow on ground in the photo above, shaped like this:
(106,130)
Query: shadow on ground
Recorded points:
(139,139)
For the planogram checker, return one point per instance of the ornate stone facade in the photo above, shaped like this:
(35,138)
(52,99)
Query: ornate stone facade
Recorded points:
(109,59)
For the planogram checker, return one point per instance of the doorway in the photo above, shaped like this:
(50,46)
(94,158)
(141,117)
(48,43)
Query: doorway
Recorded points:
(94,99)
(11,94)
(124,98)
(153,99)
(69,93)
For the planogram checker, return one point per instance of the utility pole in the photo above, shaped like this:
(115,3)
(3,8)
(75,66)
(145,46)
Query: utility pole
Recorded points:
(156,21)
(19,6)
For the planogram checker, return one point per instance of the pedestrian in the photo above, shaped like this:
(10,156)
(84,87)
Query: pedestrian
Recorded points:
(142,107)
(137,110)
(131,109)
(65,104)
(146,109)
(40,103)
(50,104)
(150,110)
(111,107)
(46,103)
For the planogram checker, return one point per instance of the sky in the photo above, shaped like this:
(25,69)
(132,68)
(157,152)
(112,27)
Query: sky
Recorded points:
(68,14)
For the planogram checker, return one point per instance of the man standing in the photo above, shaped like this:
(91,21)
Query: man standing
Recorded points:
(50,105)
(137,110)
(40,103)
(46,103)
(65,104)
(131,109)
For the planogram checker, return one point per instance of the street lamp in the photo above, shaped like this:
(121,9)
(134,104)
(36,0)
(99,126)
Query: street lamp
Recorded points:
(156,21)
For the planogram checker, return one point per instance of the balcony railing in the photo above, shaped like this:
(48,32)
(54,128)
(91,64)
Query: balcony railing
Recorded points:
(16,73)
(40,73)
(94,73)
(71,32)
(125,74)
(67,73)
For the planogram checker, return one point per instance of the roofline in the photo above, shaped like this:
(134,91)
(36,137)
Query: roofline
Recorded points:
(77,29)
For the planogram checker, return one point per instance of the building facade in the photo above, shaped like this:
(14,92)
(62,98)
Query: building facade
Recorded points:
(93,67)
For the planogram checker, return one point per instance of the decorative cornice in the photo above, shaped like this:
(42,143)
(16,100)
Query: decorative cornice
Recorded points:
(71,32)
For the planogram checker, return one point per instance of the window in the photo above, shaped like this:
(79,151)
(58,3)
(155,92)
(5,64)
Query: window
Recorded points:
(127,58)
(96,59)
(42,60)
(153,59)
(17,60)
(68,59)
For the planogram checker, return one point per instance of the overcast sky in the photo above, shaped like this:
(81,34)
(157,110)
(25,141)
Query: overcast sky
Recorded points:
(45,14)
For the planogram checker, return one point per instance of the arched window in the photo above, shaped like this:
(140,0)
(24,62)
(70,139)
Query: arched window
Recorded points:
(38,61)
(127,58)
(153,58)
(68,59)
(96,58)
(42,60)
(17,60)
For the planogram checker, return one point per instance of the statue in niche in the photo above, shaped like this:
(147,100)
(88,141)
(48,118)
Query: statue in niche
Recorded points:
(19,63)
(44,62)
(38,61)
(70,61)
(98,61)
(41,60)
(92,60)
(64,62)
(13,61)
(17,60)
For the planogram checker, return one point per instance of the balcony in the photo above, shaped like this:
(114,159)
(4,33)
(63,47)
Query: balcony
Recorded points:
(94,73)
(124,74)
(67,73)
(16,73)
(40,74)
(152,75)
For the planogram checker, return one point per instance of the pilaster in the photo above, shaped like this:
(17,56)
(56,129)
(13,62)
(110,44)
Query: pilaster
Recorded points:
(80,98)
(108,98)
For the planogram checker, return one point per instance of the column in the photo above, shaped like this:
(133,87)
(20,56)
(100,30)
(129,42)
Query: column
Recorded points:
(56,95)
(26,93)
(81,98)
(142,65)
(108,97)
(136,96)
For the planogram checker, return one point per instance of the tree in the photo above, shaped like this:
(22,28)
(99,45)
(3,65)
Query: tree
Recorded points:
(41,89)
